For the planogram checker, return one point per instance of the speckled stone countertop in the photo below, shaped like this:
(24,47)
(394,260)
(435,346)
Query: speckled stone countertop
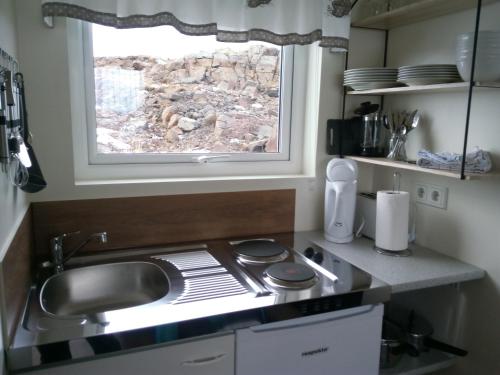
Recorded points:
(425,268)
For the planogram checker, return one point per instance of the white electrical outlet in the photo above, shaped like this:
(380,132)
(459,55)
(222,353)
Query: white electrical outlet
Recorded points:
(421,193)
(437,196)
(431,195)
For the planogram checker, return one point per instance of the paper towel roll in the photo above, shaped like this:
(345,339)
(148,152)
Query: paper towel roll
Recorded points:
(393,210)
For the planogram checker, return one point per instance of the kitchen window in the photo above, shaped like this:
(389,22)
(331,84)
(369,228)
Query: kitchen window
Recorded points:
(155,95)
(117,138)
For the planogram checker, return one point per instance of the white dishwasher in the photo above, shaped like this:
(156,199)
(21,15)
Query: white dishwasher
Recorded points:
(344,342)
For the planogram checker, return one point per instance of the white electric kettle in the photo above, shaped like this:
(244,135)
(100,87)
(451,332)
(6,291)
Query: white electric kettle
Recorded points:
(340,199)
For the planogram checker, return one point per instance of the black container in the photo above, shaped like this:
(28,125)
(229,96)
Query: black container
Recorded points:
(343,137)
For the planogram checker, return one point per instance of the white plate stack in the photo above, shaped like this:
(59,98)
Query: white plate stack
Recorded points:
(415,75)
(487,55)
(371,78)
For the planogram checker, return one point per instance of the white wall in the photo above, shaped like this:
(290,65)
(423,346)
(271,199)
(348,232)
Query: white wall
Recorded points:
(13,202)
(469,228)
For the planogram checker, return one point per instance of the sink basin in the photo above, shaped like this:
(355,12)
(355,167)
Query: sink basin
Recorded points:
(104,287)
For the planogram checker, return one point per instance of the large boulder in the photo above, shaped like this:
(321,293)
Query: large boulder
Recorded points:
(267,64)
(197,73)
(221,59)
(224,74)
(178,76)
(222,125)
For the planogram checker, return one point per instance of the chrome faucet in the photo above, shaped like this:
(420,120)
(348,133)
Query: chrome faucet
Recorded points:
(56,244)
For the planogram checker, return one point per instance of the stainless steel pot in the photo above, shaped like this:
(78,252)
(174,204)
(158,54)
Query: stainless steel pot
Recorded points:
(418,335)
(392,345)
(418,332)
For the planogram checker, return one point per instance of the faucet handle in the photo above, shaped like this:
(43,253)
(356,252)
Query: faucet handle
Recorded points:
(59,239)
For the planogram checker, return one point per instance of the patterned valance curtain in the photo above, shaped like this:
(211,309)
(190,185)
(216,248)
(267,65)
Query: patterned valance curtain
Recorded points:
(281,22)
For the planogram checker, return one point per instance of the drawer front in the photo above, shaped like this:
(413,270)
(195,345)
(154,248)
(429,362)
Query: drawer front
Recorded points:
(214,356)
(345,342)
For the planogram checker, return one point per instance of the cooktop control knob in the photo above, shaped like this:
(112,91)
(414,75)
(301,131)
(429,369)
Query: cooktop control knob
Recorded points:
(309,252)
(318,258)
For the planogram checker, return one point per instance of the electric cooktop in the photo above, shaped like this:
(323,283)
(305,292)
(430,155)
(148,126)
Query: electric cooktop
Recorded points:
(302,270)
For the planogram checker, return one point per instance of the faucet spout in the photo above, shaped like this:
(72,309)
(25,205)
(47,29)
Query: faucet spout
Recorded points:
(59,259)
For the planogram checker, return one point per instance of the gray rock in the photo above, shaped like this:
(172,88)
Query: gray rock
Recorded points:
(250,90)
(267,64)
(265,131)
(222,125)
(187,124)
(173,135)
(167,113)
(108,139)
(220,59)
(210,119)
(178,76)
(224,74)
(257,146)
(174,120)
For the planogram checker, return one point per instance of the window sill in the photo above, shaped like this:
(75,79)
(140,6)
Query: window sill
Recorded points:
(192,179)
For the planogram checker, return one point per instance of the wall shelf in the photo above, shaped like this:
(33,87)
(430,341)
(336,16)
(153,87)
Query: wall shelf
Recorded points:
(444,87)
(416,12)
(425,363)
(413,167)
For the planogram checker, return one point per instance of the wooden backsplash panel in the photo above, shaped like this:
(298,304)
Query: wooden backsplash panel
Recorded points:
(17,273)
(146,221)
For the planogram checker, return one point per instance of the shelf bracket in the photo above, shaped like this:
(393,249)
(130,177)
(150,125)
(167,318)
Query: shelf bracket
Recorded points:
(471,87)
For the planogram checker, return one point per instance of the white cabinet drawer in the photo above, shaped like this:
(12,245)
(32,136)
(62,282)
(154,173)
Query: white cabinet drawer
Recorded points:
(214,356)
(345,342)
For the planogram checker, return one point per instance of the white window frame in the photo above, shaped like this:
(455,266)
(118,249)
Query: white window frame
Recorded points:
(286,87)
(295,163)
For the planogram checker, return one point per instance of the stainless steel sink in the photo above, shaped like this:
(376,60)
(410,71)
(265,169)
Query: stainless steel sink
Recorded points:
(104,287)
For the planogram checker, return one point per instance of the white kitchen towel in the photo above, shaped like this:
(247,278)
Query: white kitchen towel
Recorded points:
(477,161)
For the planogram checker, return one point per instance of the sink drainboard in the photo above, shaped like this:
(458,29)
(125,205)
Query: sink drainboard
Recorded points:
(204,277)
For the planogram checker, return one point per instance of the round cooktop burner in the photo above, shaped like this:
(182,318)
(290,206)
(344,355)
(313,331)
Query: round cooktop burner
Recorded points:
(260,251)
(290,275)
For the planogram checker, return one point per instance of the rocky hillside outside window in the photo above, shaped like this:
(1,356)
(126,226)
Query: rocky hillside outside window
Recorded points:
(155,95)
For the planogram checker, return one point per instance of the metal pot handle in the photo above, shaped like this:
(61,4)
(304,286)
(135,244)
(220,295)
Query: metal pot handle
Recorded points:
(435,344)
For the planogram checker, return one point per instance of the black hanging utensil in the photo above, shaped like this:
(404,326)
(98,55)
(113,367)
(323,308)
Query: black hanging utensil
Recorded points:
(36,181)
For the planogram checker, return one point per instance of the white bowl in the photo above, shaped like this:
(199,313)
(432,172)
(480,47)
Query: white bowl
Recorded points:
(485,70)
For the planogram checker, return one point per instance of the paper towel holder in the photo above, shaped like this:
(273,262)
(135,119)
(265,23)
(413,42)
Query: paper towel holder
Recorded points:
(394,253)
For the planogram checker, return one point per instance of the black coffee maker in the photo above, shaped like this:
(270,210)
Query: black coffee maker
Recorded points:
(361,135)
